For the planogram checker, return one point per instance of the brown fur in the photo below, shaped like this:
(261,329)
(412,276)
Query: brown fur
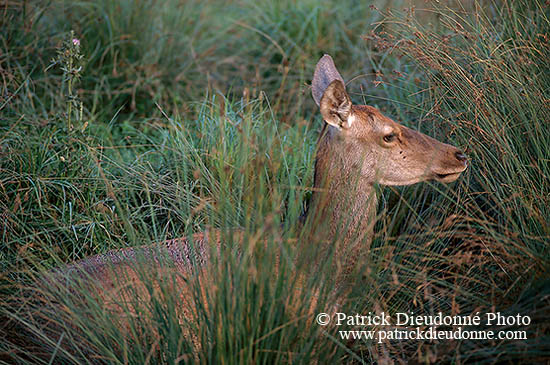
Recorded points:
(354,152)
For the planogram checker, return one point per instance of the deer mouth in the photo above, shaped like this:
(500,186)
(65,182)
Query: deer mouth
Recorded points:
(448,177)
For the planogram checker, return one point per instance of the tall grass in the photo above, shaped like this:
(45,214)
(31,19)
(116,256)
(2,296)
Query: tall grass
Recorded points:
(486,85)
(198,117)
(486,80)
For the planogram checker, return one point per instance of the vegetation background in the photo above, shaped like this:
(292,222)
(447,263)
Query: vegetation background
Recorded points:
(156,119)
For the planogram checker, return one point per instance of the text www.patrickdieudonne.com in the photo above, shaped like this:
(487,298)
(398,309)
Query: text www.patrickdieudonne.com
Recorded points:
(408,326)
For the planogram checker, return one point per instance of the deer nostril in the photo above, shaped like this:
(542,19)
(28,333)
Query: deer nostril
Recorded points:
(460,156)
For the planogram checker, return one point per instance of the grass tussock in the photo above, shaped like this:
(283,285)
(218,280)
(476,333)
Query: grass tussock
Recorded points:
(171,118)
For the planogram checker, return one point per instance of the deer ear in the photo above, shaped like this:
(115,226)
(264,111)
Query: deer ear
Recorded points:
(336,105)
(325,73)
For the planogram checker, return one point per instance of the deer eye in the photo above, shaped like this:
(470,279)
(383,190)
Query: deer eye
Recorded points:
(389,138)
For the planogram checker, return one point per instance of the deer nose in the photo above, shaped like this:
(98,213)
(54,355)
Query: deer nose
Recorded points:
(460,156)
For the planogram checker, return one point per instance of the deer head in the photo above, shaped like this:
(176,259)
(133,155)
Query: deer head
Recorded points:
(359,147)
(360,140)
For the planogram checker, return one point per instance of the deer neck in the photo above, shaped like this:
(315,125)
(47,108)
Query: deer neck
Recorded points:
(343,200)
